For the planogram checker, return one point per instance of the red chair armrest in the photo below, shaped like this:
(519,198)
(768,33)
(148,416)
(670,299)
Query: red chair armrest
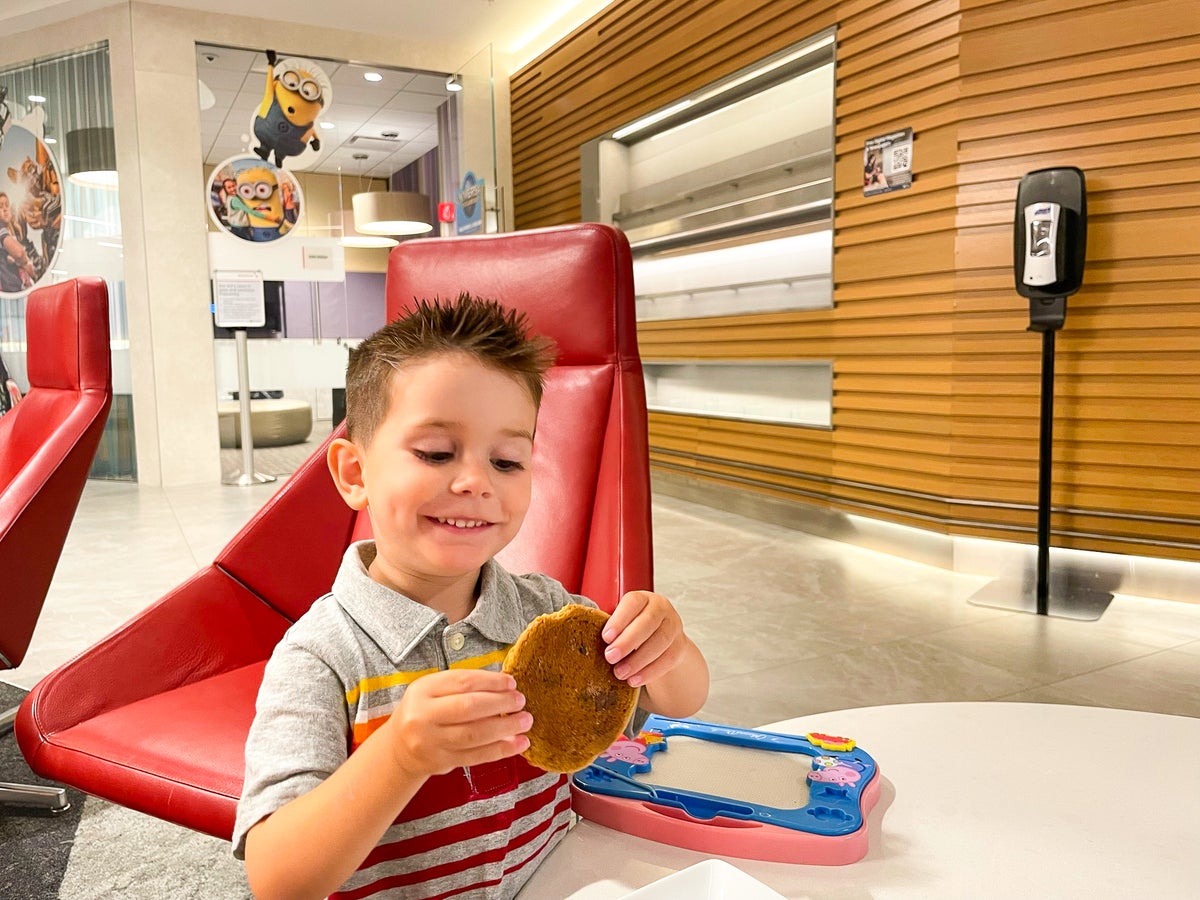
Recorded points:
(208,625)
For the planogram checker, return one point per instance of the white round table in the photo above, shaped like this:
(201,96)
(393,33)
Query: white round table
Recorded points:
(979,800)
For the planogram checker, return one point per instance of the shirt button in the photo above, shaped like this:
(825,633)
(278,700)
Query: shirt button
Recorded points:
(457,640)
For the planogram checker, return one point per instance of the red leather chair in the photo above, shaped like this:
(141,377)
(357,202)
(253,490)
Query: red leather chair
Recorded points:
(47,442)
(155,716)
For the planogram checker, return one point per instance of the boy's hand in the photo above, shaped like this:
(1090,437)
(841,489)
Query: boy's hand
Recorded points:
(645,638)
(458,718)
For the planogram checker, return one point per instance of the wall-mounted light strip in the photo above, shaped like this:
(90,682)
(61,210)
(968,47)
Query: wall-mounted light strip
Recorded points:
(703,100)
(644,123)
(766,69)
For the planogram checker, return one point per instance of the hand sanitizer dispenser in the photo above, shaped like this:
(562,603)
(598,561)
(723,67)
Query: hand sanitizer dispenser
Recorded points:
(1050,242)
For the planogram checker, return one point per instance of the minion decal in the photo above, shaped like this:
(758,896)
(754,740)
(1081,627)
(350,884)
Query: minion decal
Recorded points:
(297,92)
(254,200)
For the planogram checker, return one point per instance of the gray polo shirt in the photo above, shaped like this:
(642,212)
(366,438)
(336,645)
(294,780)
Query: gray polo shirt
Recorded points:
(338,673)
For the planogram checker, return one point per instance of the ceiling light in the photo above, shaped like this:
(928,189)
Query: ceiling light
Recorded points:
(50,140)
(391,212)
(36,98)
(328,125)
(372,76)
(207,98)
(454,83)
(343,221)
(92,158)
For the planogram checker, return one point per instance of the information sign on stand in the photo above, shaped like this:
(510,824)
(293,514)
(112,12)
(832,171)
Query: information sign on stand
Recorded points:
(239,303)
(239,300)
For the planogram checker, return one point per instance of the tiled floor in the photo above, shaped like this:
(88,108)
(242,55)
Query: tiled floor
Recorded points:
(791,624)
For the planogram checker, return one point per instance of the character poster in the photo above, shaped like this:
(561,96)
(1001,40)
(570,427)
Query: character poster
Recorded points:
(254,200)
(31,212)
(285,126)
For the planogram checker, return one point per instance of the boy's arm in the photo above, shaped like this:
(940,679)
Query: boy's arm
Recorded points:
(648,648)
(312,844)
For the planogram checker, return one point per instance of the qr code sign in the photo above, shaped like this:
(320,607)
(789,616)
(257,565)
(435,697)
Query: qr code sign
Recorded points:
(898,159)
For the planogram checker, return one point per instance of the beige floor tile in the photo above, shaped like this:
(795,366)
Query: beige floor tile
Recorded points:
(1167,681)
(897,672)
(1041,647)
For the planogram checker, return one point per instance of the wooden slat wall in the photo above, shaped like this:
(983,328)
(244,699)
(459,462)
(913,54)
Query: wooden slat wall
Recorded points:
(1111,88)
(935,379)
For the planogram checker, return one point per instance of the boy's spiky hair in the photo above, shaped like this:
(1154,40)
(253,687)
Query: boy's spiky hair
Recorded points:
(492,334)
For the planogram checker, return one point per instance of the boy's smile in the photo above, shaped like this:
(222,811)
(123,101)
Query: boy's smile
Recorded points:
(446,476)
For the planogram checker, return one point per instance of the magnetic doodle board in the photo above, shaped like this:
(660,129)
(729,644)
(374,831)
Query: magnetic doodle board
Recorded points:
(734,791)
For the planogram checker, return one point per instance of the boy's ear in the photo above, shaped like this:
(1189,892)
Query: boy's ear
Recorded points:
(346,466)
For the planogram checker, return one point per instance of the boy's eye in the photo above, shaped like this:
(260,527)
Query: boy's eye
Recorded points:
(433,456)
(507,465)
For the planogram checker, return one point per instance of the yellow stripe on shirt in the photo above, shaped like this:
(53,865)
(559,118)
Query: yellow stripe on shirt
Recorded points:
(382,682)
(364,729)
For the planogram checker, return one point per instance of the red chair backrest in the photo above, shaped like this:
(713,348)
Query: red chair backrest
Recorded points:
(589,520)
(47,442)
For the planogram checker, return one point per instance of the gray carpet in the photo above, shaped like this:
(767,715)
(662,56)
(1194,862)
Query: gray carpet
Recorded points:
(99,851)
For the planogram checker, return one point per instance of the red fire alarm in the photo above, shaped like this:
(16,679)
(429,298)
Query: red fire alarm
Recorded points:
(445,212)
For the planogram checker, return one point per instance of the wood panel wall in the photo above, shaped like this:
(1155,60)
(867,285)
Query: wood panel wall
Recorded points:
(935,378)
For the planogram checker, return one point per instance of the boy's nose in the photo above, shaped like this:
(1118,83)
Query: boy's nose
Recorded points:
(474,479)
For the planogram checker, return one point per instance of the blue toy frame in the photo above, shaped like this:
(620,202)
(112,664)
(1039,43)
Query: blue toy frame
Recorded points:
(835,795)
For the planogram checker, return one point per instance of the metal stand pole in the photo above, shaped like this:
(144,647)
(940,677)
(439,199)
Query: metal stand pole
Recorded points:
(1067,593)
(247,476)
(1045,451)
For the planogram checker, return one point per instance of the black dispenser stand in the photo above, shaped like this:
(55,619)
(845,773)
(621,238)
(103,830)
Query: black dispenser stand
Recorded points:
(1045,452)
(1068,592)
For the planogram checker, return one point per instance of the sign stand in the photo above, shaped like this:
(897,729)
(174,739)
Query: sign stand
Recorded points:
(239,304)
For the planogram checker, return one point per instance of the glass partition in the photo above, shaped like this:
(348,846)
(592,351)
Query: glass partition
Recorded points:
(288,140)
(59,215)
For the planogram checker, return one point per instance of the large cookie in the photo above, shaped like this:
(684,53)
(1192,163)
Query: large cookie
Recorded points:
(579,707)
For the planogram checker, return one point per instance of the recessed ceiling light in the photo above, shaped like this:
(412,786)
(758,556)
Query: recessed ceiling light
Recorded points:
(50,140)
(328,125)
(36,98)
(372,76)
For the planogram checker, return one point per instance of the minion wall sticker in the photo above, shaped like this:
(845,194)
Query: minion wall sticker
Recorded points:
(297,92)
(253,199)
(31,211)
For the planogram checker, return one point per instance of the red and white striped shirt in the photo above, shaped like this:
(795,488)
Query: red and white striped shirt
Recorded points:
(338,674)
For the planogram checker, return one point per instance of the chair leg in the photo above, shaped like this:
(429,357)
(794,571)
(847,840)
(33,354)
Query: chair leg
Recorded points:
(34,796)
(30,796)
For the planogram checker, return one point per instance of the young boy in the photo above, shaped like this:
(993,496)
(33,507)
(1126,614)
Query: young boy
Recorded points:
(383,759)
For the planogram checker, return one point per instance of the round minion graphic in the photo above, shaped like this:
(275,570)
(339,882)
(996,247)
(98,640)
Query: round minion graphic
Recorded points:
(253,200)
(297,92)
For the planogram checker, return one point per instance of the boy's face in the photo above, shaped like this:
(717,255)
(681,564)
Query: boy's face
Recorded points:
(446,476)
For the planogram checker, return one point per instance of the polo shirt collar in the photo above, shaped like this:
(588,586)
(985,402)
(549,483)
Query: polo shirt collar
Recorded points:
(398,623)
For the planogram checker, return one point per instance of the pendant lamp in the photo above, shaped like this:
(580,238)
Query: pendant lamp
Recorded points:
(343,221)
(391,212)
(92,158)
